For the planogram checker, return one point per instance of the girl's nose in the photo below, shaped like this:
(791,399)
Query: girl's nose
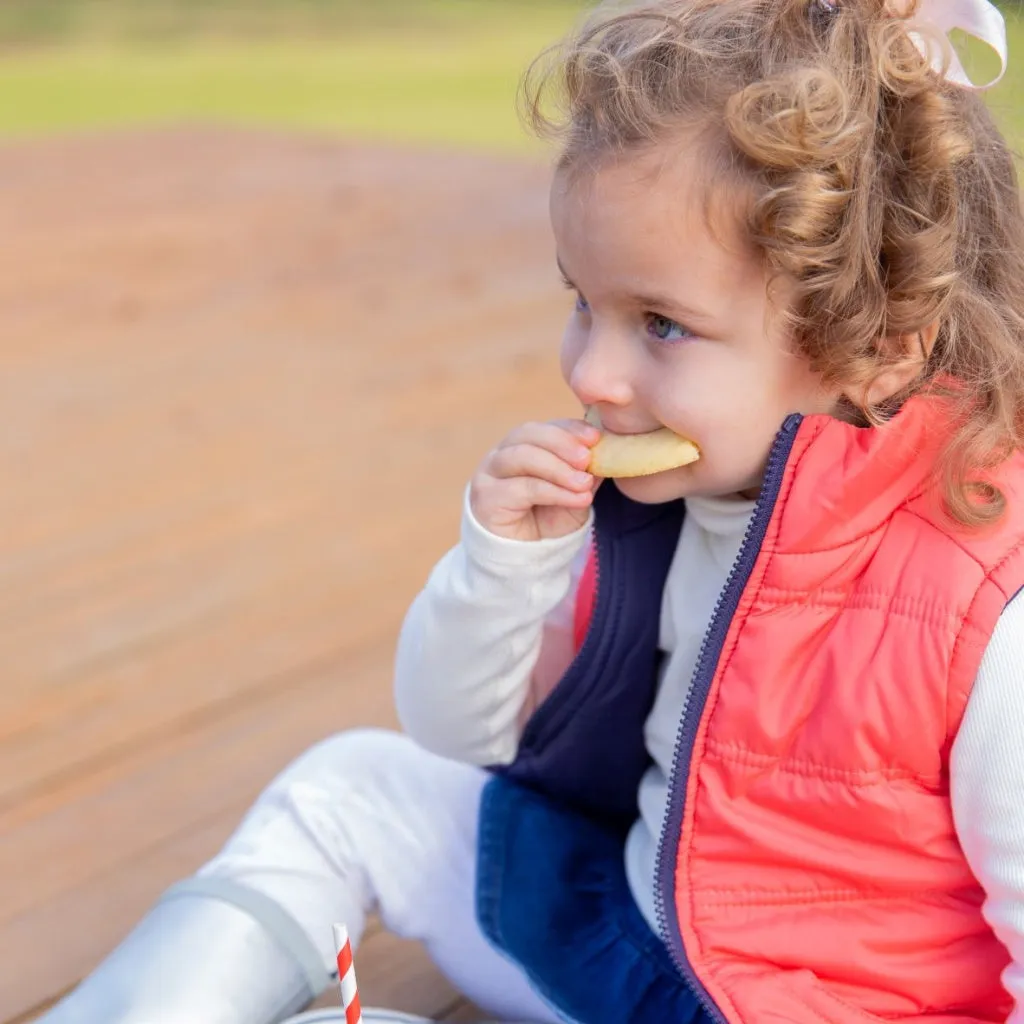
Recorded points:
(601,372)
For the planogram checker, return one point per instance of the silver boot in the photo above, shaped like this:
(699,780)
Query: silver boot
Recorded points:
(210,952)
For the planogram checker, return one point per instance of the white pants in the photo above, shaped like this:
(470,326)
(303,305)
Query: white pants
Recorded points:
(363,822)
(369,821)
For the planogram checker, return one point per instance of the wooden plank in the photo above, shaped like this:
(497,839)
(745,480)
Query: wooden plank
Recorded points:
(156,619)
(103,922)
(135,829)
(182,803)
(216,655)
(201,572)
(208,643)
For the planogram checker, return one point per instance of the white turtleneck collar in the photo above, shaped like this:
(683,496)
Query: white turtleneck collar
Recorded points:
(722,516)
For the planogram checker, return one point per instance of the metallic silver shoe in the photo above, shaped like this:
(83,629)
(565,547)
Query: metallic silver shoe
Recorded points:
(210,952)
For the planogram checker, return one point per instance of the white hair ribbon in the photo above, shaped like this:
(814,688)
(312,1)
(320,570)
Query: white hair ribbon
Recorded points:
(977,18)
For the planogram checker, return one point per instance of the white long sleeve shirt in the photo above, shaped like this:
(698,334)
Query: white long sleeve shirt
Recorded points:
(497,613)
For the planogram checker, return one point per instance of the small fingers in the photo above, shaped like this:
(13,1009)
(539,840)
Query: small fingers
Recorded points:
(570,440)
(526,492)
(528,460)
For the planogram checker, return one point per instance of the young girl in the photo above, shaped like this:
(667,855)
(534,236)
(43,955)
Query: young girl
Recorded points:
(752,726)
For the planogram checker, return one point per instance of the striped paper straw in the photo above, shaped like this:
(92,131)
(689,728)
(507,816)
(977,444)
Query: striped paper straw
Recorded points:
(347,977)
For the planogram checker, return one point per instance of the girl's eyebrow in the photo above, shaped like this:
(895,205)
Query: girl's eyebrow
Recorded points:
(652,301)
(670,305)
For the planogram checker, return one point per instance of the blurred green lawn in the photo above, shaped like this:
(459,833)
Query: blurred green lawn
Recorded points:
(416,70)
(426,70)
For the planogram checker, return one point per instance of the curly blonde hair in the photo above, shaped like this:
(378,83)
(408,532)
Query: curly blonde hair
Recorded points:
(885,194)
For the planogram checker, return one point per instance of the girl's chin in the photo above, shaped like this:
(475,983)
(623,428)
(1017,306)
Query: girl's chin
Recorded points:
(655,489)
(660,488)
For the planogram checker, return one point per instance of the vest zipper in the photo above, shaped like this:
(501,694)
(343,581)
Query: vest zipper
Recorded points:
(693,709)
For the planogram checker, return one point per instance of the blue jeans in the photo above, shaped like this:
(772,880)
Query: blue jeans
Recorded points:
(552,894)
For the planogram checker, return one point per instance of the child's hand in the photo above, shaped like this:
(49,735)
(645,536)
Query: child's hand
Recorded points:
(534,485)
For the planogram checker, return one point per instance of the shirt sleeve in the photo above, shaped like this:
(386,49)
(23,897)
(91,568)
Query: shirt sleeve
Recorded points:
(473,636)
(987,788)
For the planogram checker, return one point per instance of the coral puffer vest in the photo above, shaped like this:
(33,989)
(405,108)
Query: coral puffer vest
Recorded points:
(809,869)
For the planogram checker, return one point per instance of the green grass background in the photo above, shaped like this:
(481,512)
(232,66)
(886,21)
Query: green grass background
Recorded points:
(412,70)
(422,70)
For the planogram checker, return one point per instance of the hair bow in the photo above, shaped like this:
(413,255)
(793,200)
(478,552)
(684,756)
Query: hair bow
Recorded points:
(977,18)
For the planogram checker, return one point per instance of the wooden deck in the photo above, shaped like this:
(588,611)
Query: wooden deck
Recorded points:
(243,380)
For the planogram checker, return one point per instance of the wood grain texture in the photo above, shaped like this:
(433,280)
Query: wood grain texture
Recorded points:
(244,378)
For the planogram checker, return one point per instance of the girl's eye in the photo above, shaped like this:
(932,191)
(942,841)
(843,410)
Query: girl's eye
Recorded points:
(581,303)
(663,329)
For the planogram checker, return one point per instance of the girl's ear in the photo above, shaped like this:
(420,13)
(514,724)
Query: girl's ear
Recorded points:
(904,358)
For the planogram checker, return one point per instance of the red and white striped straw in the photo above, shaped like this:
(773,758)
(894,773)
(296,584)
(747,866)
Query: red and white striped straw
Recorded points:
(347,977)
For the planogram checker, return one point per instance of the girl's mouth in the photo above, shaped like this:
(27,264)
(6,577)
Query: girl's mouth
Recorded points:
(631,455)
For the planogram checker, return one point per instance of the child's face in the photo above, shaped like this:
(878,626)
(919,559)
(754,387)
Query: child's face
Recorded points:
(672,329)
